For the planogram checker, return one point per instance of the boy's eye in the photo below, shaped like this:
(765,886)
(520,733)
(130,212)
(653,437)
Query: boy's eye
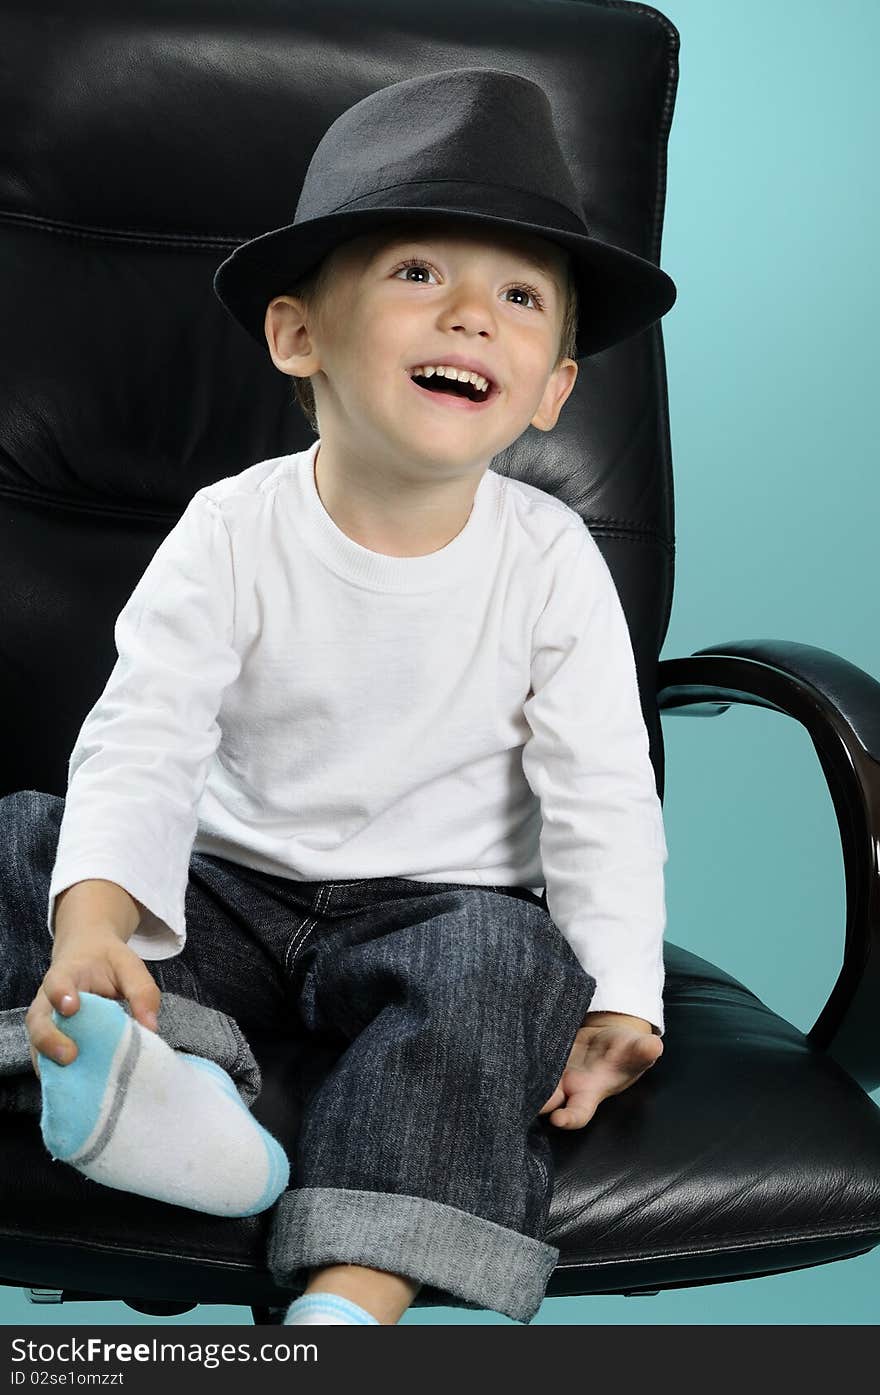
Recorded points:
(422,266)
(521,286)
(530,291)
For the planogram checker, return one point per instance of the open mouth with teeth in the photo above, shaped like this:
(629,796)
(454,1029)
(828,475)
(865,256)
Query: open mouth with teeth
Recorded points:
(462,391)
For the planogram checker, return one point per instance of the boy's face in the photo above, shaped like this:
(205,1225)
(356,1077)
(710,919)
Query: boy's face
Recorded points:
(376,320)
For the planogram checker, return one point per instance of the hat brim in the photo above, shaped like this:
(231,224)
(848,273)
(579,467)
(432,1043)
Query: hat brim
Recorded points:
(619,293)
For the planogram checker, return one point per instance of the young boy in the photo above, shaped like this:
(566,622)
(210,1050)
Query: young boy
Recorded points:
(371,697)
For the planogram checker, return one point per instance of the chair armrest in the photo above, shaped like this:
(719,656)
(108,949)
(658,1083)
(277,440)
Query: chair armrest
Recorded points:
(839,705)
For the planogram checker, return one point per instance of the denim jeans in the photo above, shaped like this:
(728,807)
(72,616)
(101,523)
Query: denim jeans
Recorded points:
(442,1015)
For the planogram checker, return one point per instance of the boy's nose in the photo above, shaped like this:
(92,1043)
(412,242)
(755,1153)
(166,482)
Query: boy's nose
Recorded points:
(468,309)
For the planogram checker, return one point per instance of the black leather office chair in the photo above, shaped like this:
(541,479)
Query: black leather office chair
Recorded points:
(141,142)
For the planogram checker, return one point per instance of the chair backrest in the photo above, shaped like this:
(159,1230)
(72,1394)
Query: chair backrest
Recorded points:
(141,143)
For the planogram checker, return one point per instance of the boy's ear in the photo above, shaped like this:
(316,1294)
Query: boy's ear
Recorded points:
(287,334)
(556,394)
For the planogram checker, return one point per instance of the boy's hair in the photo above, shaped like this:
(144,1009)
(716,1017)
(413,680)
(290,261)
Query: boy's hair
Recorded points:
(309,289)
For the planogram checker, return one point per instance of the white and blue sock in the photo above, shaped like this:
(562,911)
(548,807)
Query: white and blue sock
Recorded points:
(326,1308)
(132,1113)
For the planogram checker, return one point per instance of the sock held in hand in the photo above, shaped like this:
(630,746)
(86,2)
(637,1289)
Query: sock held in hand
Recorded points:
(132,1113)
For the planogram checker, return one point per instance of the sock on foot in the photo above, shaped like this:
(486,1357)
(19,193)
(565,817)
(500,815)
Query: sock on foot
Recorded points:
(132,1113)
(313,1308)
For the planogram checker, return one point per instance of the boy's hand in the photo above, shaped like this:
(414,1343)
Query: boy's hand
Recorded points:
(97,961)
(611,1050)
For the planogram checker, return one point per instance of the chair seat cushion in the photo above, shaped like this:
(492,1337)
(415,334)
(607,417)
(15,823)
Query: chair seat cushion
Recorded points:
(744,1151)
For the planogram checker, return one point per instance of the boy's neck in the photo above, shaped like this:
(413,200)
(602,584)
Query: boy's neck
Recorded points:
(375,513)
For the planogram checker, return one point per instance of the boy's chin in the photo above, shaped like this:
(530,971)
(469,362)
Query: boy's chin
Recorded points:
(438,450)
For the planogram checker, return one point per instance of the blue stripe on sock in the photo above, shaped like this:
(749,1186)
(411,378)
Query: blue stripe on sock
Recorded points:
(72,1095)
(332,1303)
(279,1175)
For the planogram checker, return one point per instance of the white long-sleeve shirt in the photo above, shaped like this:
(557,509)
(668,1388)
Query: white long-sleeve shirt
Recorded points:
(291,701)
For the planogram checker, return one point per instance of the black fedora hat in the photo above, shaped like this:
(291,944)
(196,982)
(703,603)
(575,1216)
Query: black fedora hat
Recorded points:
(474,144)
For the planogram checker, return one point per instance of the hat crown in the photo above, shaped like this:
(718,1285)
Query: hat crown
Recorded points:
(463,143)
(476,126)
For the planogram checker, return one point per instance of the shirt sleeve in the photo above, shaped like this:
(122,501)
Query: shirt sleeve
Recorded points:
(140,761)
(587,758)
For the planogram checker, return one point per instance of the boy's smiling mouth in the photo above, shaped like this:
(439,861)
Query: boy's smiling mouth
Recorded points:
(452,391)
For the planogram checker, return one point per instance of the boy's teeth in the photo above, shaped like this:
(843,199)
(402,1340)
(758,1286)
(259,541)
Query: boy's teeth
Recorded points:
(462,374)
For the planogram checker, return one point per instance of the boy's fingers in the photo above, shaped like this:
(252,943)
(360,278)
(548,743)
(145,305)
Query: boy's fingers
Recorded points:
(557,1098)
(66,1000)
(571,1118)
(45,1037)
(61,994)
(138,988)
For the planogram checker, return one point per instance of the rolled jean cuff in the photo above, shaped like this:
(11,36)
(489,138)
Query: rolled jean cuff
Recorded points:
(485,1264)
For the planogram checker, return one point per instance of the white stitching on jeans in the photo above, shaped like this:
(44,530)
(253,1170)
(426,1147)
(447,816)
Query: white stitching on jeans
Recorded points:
(302,932)
(300,935)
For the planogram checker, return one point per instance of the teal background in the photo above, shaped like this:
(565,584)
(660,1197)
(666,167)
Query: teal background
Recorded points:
(771,234)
